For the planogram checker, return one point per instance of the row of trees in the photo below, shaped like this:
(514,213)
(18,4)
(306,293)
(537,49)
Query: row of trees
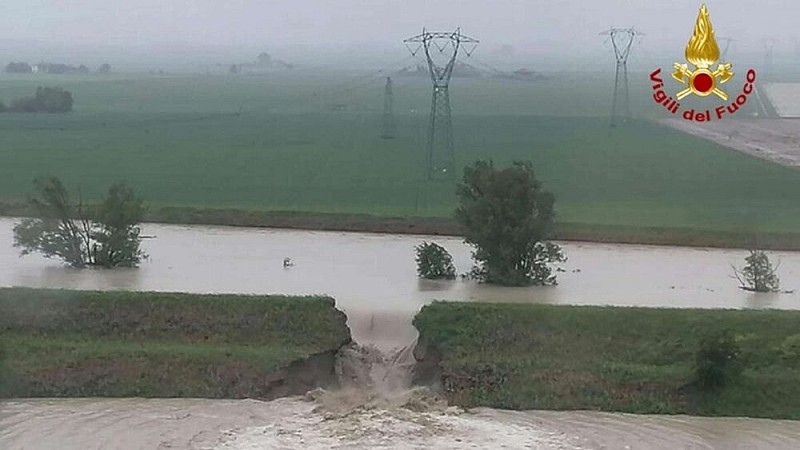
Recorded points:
(46,100)
(57,68)
(506,214)
(508,217)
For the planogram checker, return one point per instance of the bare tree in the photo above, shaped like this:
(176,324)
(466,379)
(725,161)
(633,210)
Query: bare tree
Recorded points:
(758,274)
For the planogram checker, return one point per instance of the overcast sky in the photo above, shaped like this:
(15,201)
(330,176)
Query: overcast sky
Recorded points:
(531,26)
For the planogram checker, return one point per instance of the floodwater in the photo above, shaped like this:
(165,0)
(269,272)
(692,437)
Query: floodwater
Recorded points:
(373,280)
(373,277)
(293,423)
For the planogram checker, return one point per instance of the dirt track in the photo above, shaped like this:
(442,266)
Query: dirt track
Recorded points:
(775,140)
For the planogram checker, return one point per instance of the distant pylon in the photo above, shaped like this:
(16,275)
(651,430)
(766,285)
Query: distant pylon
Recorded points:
(723,54)
(769,47)
(796,48)
(622,41)
(388,111)
(441,151)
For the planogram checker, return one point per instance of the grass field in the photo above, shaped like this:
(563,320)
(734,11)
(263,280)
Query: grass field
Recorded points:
(275,144)
(636,360)
(128,344)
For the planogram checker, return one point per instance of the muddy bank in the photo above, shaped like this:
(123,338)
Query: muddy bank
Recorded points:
(131,344)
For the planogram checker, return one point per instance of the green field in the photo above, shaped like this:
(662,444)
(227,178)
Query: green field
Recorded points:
(277,143)
(129,344)
(636,360)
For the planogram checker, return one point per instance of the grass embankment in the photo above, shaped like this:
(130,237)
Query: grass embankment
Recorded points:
(122,344)
(634,360)
(368,223)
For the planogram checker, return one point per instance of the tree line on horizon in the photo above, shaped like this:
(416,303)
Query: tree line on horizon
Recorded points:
(20,67)
(45,100)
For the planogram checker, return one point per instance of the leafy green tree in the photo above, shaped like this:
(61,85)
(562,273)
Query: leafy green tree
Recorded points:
(104,69)
(758,274)
(54,231)
(63,230)
(264,59)
(46,100)
(118,237)
(19,67)
(434,262)
(508,217)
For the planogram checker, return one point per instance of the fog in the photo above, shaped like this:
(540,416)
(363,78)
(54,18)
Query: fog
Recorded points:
(138,33)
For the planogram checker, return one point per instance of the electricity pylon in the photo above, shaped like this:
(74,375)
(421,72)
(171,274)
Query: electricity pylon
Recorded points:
(796,48)
(388,111)
(727,45)
(622,41)
(769,47)
(441,151)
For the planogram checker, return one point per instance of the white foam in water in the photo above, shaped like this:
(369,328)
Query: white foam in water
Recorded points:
(376,407)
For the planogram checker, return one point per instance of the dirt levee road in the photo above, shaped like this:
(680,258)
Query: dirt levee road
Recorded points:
(776,140)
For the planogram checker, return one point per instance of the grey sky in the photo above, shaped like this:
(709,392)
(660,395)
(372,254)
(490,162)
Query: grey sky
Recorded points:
(534,26)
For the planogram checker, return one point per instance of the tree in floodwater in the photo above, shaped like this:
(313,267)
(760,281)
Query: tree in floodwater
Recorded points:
(109,237)
(758,274)
(508,217)
(434,262)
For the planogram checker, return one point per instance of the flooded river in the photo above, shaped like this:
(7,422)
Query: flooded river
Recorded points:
(373,277)
(373,280)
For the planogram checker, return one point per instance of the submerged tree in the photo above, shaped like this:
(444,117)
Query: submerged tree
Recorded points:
(758,274)
(67,231)
(508,217)
(434,262)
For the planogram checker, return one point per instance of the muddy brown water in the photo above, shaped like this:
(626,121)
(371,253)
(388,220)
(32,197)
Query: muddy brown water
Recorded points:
(373,277)
(293,423)
(373,280)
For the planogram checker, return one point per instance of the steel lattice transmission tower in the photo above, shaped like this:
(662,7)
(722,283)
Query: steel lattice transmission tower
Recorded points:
(622,41)
(388,111)
(723,54)
(769,48)
(441,51)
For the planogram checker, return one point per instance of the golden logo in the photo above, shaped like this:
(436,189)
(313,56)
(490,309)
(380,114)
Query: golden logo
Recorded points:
(702,52)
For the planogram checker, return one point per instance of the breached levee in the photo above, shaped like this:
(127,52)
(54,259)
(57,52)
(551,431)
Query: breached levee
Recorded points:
(363,397)
(620,360)
(65,343)
(128,344)
(372,379)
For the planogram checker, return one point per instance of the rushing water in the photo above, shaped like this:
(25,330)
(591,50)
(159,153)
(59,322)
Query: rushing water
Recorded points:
(373,280)
(294,424)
